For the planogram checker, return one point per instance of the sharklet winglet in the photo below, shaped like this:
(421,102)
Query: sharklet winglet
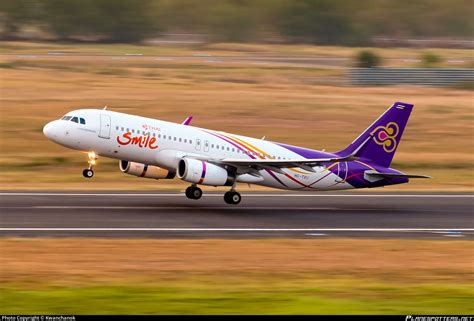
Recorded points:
(187,121)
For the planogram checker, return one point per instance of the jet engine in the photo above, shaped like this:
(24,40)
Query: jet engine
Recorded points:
(143,170)
(201,172)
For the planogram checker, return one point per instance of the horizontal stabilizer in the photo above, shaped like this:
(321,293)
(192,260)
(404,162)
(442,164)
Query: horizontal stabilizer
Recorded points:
(390,175)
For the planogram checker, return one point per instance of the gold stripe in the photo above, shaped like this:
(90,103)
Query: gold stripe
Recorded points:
(266,154)
(329,167)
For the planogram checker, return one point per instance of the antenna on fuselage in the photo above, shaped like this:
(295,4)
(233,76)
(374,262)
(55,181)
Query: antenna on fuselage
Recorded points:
(105,107)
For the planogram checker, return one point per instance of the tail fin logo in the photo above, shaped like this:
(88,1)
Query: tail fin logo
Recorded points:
(386,136)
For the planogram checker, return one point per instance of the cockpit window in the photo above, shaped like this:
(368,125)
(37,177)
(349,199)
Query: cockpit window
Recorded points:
(75,119)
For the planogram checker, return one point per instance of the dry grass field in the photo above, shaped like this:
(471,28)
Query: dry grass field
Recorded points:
(284,102)
(206,276)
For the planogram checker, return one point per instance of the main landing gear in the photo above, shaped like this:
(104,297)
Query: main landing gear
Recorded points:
(231,197)
(89,172)
(193,192)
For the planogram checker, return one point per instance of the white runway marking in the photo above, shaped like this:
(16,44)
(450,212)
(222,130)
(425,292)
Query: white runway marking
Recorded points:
(192,229)
(185,208)
(244,195)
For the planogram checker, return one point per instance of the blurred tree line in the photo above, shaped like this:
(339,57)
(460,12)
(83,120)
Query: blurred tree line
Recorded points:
(342,22)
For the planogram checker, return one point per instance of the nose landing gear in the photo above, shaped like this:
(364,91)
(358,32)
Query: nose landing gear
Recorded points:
(88,172)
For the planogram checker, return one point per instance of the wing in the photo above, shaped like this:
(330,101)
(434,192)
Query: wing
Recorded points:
(252,166)
(276,164)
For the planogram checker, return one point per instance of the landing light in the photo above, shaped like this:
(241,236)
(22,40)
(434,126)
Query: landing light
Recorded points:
(92,155)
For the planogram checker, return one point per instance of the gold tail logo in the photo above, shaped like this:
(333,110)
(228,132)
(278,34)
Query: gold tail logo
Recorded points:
(386,136)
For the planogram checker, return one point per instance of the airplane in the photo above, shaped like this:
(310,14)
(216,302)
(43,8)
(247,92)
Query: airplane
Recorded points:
(158,149)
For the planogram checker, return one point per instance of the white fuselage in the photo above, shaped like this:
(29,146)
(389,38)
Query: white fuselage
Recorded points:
(160,143)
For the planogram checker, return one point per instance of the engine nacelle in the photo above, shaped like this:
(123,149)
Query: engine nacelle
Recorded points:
(201,172)
(143,170)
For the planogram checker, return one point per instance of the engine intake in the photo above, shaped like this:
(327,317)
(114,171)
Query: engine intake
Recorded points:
(147,171)
(201,172)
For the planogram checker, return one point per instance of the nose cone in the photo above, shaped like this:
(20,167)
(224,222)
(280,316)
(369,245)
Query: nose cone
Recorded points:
(50,130)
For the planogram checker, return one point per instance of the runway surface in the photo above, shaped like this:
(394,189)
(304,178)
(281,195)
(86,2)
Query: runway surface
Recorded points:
(301,215)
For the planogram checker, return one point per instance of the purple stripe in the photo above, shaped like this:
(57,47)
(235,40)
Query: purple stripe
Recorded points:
(203,174)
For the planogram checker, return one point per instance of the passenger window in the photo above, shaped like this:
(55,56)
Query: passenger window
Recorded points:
(122,129)
(159,135)
(190,141)
(180,140)
(133,130)
(185,140)
(75,119)
(128,129)
(228,149)
(174,138)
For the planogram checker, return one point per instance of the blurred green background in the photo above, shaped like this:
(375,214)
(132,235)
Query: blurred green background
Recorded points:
(348,22)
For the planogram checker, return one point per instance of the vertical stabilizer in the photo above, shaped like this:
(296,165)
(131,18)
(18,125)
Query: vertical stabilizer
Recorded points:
(379,142)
